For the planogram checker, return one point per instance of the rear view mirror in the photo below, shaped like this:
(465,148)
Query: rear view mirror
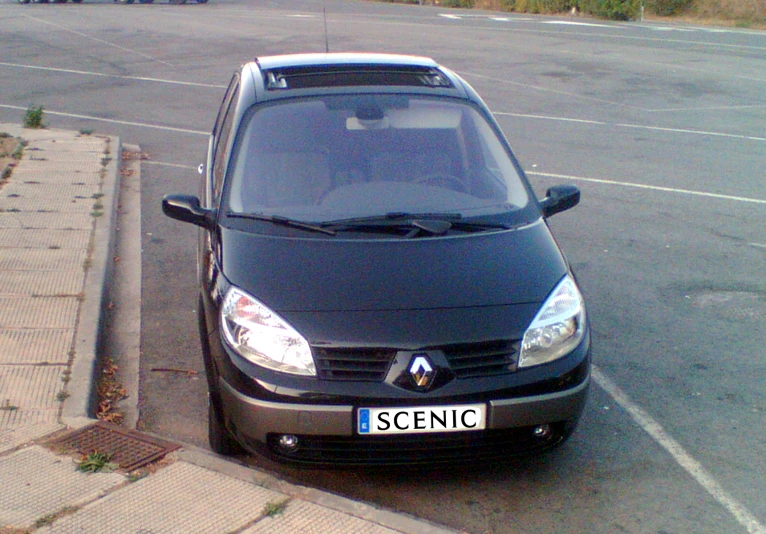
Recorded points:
(560,198)
(187,208)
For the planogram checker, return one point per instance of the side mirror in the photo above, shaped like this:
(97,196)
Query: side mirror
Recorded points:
(560,198)
(187,208)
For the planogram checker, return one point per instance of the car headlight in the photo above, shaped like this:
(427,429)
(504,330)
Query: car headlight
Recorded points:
(557,328)
(261,336)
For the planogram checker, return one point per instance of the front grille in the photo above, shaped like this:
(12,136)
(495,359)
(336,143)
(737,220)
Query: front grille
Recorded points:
(469,360)
(363,365)
(482,359)
(449,447)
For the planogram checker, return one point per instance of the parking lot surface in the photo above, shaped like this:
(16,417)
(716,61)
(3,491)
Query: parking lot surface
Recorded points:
(660,126)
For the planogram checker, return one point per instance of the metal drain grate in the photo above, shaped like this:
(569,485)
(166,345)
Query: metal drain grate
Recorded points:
(129,449)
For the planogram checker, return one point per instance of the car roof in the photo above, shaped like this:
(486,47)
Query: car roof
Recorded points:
(286,76)
(338,59)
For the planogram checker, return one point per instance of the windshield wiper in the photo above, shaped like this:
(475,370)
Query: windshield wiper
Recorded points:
(283,221)
(432,223)
(393,218)
(469,226)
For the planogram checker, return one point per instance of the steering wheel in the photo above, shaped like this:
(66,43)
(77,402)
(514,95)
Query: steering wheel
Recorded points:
(442,179)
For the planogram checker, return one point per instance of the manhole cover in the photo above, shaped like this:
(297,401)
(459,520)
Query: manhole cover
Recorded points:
(129,449)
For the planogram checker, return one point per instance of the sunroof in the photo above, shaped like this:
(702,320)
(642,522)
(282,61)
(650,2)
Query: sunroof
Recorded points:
(353,75)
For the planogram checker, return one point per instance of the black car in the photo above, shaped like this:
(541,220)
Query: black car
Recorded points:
(378,283)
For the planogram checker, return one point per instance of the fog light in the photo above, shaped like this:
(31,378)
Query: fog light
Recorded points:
(288,443)
(542,432)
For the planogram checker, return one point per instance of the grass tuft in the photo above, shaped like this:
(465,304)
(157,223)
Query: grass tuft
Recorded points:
(96,462)
(272,509)
(33,117)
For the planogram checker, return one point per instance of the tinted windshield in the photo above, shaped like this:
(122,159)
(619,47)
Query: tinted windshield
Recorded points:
(341,157)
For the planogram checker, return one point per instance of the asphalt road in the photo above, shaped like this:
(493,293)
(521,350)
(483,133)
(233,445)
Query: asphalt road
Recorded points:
(661,126)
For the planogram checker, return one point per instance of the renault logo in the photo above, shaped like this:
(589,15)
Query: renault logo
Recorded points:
(421,371)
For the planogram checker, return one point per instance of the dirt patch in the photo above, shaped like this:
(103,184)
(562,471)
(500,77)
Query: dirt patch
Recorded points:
(9,154)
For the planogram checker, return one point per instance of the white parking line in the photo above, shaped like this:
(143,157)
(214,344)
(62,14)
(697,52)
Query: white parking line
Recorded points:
(573,23)
(651,187)
(99,74)
(174,165)
(114,121)
(635,126)
(86,36)
(682,458)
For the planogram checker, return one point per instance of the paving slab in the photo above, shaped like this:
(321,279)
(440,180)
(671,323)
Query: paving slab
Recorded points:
(23,417)
(43,238)
(78,144)
(29,387)
(75,177)
(309,518)
(54,155)
(179,498)
(37,482)
(13,437)
(53,221)
(51,190)
(35,345)
(67,165)
(46,284)
(43,259)
(42,312)
(64,205)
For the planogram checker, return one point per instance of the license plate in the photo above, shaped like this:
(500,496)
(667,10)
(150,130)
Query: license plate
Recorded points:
(422,419)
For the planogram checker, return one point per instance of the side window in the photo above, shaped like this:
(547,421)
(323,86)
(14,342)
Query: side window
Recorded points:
(222,136)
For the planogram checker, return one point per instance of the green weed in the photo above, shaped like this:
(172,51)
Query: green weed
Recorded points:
(33,117)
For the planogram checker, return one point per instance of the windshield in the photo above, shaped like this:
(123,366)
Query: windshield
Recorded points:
(340,157)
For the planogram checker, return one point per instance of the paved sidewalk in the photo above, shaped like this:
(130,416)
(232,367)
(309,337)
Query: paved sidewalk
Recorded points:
(57,216)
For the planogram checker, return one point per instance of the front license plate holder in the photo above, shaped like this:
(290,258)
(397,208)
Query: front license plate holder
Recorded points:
(421,419)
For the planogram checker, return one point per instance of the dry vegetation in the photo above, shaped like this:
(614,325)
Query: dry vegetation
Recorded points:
(733,13)
(9,153)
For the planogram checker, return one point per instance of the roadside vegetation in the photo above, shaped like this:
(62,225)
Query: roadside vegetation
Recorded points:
(738,13)
(10,152)
(33,117)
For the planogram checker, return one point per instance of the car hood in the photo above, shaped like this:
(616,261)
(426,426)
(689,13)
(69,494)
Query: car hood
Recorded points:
(518,266)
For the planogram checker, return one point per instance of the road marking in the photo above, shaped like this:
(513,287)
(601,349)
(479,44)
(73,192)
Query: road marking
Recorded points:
(650,187)
(88,73)
(668,29)
(548,90)
(86,36)
(114,121)
(635,126)
(682,458)
(708,108)
(164,164)
(572,23)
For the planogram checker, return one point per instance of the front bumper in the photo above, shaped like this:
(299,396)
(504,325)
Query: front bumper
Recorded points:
(327,433)
(256,418)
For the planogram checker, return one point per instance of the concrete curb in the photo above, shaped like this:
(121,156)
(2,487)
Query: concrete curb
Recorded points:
(88,341)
